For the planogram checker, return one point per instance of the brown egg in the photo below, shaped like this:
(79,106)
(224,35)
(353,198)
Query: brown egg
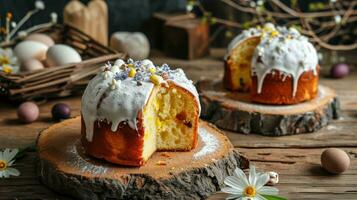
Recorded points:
(31,65)
(335,160)
(43,38)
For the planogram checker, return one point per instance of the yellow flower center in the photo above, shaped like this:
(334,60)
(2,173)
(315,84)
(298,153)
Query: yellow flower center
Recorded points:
(7,69)
(249,191)
(3,165)
(4,60)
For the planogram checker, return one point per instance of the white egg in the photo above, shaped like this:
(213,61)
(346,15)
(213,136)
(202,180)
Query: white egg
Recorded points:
(26,50)
(61,54)
(136,45)
(31,65)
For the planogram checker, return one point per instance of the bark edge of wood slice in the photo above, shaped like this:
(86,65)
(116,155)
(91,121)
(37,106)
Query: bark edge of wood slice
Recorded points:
(234,112)
(64,167)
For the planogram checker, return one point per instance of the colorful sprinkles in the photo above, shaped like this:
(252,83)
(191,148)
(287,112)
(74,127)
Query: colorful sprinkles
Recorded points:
(139,71)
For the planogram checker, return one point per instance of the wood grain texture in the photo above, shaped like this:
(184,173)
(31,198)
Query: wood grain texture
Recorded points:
(66,168)
(235,112)
(296,158)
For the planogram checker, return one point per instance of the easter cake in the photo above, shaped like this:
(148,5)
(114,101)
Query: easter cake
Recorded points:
(132,109)
(277,65)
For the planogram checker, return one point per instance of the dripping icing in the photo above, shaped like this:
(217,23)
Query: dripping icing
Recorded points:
(288,52)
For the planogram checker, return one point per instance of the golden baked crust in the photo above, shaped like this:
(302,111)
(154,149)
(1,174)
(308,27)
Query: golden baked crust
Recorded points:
(123,147)
(276,90)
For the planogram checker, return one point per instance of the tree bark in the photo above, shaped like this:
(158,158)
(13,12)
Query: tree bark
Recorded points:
(234,112)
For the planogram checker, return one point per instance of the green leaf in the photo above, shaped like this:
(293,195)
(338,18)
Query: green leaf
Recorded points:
(273,197)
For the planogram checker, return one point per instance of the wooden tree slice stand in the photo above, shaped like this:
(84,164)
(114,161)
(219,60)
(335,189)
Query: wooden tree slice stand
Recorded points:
(64,167)
(235,112)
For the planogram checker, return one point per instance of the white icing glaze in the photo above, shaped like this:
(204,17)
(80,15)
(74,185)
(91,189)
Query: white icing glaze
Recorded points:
(289,53)
(115,97)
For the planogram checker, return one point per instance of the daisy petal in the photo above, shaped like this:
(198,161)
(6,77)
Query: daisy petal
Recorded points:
(234,182)
(10,163)
(268,190)
(261,180)
(259,197)
(233,197)
(13,171)
(231,190)
(241,176)
(5,174)
(1,155)
(5,154)
(252,175)
(247,198)
(1,174)
(12,154)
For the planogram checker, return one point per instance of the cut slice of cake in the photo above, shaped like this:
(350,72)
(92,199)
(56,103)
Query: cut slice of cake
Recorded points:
(133,109)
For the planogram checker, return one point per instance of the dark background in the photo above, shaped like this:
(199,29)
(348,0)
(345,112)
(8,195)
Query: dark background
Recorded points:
(124,15)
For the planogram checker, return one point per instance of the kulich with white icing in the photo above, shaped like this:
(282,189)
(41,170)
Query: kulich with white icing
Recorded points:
(131,102)
(287,52)
(282,64)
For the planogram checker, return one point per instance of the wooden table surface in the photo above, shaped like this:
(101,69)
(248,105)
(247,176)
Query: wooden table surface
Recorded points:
(295,158)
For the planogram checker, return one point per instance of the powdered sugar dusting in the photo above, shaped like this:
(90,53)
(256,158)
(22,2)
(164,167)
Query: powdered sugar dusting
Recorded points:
(84,164)
(210,143)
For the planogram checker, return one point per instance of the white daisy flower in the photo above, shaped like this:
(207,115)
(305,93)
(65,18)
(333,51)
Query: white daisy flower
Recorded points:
(8,60)
(242,188)
(6,160)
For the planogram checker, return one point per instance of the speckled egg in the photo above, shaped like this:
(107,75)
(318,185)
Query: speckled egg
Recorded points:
(42,38)
(61,111)
(31,65)
(28,112)
(61,54)
(30,49)
(339,70)
(335,160)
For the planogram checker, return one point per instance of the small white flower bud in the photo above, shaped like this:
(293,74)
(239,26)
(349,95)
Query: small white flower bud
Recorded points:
(39,5)
(273,178)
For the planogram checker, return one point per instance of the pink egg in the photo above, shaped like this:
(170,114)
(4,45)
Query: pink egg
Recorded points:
(339,70)
(28,112)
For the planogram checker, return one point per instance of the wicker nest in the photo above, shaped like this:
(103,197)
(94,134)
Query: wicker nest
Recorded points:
(58,81)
